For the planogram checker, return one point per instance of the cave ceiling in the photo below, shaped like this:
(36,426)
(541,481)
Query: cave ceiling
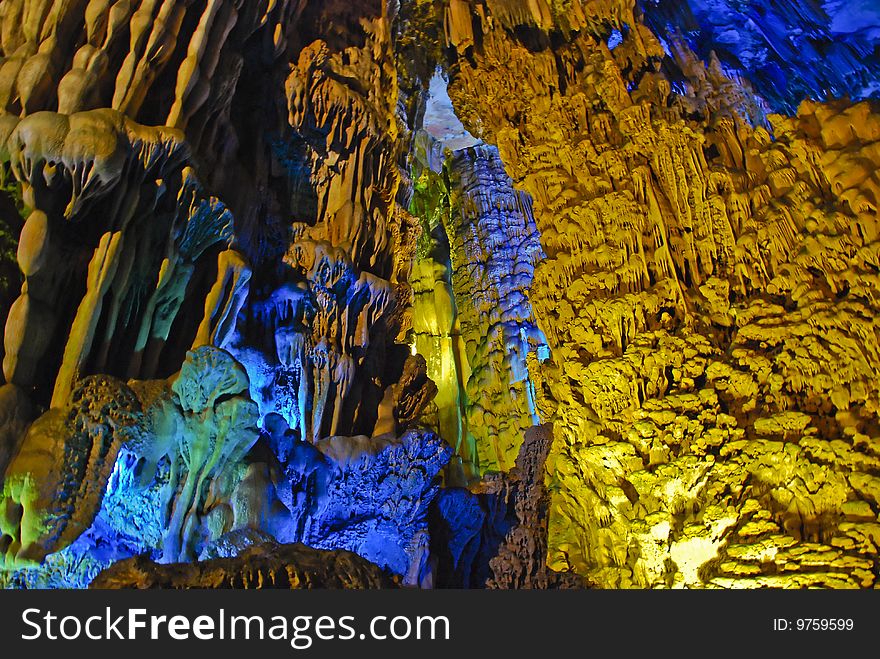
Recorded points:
(440,293)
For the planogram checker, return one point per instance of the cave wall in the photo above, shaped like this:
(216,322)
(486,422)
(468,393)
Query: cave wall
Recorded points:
(205,350)
(253,298)
(708,293)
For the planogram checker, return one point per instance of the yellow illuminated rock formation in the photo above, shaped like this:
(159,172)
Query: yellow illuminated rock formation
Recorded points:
(710,296)
(629,249)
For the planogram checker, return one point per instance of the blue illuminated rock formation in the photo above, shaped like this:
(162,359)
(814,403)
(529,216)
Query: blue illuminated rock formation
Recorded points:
(282,278)
(787,49)
(369,496)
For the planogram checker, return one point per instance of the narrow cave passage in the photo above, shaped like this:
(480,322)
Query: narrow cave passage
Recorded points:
(440,293)
(472,318)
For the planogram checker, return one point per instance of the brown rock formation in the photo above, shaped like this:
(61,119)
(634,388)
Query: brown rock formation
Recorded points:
(290,567)
(101,189)
(521,558)
(495,534)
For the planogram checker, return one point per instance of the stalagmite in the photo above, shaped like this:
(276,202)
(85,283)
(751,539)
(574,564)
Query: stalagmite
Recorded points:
(493,293)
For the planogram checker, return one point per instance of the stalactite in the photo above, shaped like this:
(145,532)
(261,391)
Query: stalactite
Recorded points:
(692,295)
(347,254)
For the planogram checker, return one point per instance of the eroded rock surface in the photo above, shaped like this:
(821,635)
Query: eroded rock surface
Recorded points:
(707,296)
(251,294)
(290,567)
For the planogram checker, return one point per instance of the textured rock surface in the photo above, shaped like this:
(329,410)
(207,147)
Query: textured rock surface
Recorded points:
(472,317)
(55,484)
(205,434)
(521,561)
(495,535)
(258,281)
(708,297)
(292,567)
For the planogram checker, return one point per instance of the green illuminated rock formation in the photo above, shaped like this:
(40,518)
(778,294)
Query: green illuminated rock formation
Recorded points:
(58,473)
(236,233)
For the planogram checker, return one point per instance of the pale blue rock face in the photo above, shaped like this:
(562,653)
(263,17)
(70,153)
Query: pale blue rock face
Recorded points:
(273,438)
(788,49)
(367,495)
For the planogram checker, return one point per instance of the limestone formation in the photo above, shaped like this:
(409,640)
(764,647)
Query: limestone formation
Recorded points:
(101,188)
(707,295)
(494,245)
(309,271)
(291,567)
(214,432)
(472,314)
(436,330)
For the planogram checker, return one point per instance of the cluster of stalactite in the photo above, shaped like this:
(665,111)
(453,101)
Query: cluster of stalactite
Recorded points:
(247,302)
(708,294)
(214,276)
